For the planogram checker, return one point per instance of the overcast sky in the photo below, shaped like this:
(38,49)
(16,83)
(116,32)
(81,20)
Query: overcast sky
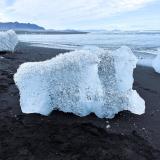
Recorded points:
(84,14)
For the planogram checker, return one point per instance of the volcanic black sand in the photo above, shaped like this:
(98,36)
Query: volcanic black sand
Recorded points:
(63,136)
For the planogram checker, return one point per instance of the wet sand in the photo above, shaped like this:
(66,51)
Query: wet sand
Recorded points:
(62,136)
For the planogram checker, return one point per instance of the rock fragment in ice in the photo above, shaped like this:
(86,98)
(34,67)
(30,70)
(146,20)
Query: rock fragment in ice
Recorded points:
(81,82)
(8,41)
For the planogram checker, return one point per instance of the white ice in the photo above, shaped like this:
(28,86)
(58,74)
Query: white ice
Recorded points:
(156,63)
(91,80)
(8,41)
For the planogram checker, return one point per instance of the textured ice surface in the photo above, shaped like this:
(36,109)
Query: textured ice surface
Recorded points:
(8,41)
(80,82)
(156,63)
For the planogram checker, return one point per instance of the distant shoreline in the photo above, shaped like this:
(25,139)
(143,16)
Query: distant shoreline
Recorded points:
(47,32)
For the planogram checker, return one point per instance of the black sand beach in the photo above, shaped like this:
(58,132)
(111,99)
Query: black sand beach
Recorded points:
(62,136)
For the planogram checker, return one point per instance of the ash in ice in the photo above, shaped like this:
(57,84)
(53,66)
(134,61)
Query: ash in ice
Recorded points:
(8,41)
(91,80)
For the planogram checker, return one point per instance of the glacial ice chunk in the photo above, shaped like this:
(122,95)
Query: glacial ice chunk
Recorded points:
(8,41)
(81,82)
(156,63)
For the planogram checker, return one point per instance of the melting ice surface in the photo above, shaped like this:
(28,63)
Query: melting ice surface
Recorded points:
(90,80)
(8,41)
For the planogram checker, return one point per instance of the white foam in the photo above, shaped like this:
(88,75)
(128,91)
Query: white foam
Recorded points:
(147,62)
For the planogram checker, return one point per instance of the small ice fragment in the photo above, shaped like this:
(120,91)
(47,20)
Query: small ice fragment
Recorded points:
(156,63)
(8,41)
(108,126)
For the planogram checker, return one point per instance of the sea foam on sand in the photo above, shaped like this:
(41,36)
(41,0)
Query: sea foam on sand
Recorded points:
(81,82)
(8,41)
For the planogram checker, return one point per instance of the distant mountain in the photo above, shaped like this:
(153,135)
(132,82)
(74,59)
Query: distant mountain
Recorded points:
(19,26)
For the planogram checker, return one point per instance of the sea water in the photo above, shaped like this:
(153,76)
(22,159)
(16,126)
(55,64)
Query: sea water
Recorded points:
(145,45)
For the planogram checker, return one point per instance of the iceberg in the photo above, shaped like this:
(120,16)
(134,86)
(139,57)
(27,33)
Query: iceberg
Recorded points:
(8,41)
(156,63)
(80,82)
